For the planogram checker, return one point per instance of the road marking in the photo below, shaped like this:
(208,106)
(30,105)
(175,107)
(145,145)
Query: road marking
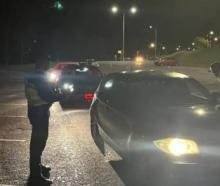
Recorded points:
(9,116)
(11,140)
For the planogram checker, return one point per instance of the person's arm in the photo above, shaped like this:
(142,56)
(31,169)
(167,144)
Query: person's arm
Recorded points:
(47,92)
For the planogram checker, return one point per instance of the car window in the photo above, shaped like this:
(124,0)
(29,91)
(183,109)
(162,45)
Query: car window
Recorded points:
(165,92)
(114,93)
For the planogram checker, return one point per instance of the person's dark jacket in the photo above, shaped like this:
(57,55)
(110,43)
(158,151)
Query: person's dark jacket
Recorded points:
(39,91)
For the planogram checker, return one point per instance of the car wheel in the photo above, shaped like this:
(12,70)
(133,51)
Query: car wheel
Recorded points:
(96,135)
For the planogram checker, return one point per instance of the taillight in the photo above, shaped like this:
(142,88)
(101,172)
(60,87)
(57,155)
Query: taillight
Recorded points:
(89,96)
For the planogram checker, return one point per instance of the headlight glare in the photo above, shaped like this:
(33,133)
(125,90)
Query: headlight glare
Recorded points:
(68,86)
(177,147)
(52,77)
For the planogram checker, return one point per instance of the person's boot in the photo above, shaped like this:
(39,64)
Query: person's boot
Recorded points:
(38,180)
(45,170)
(36,177)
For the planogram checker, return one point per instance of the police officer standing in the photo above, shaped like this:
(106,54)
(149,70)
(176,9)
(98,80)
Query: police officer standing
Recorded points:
(40,94)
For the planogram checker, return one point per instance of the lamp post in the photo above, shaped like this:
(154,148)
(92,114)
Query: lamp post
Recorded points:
(155,38)
(133,10)
(210,36)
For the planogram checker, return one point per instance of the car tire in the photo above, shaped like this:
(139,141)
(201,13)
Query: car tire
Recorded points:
(96,134)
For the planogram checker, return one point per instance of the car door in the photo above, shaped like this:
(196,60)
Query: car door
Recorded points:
(116,120)
(104,111)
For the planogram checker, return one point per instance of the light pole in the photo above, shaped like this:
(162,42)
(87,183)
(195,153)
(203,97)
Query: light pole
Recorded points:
(155,38)
(210,36)
(115,10)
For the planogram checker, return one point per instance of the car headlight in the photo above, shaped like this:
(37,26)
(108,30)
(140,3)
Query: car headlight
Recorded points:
(139,60)
(177,147)
(68,86)
(52,77)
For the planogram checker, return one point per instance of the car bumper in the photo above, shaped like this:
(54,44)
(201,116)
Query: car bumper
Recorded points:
(178,168)
(199,160)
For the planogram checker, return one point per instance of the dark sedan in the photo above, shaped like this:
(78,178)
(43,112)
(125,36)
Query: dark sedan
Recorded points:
(151,117)
(82,80)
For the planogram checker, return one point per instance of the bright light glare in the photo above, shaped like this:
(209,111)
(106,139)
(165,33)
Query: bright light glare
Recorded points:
(52,77)
(216,39)
(177,75)
(152,45)
(211,32)
(150,26)
(133,10)
(200,112)
(119,52)
(178,147)
(109,84)
(114,9)
(139,60)
(68,86)
(163,48)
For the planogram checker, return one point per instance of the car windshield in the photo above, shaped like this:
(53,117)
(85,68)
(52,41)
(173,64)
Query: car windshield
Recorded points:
(81,70)
(168,92)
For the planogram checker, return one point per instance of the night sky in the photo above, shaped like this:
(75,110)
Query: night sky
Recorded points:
(87,29)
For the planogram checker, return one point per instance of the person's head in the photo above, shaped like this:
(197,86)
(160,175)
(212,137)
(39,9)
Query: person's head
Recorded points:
(215,69)
(42,65)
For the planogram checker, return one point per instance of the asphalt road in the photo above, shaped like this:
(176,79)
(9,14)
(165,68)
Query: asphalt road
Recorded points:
(70,151)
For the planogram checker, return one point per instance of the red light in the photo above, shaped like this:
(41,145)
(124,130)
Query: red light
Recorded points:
(89,96)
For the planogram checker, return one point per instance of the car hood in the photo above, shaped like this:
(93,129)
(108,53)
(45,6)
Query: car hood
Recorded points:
(197,121)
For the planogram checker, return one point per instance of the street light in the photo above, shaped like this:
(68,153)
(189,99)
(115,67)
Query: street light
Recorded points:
(210,37)
(155,38)
(193,44)
(133,10)
(152,45)
(163,48)
(114,9)
(216,39)
(211,33)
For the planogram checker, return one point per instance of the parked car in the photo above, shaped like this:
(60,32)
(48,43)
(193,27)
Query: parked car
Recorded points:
(166,62)
(82,79)
(155,118)
(55,72)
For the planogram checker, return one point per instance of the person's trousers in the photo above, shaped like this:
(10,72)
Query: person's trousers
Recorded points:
(39,119)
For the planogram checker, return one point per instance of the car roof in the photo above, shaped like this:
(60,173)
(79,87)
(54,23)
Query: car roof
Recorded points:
(142,74)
